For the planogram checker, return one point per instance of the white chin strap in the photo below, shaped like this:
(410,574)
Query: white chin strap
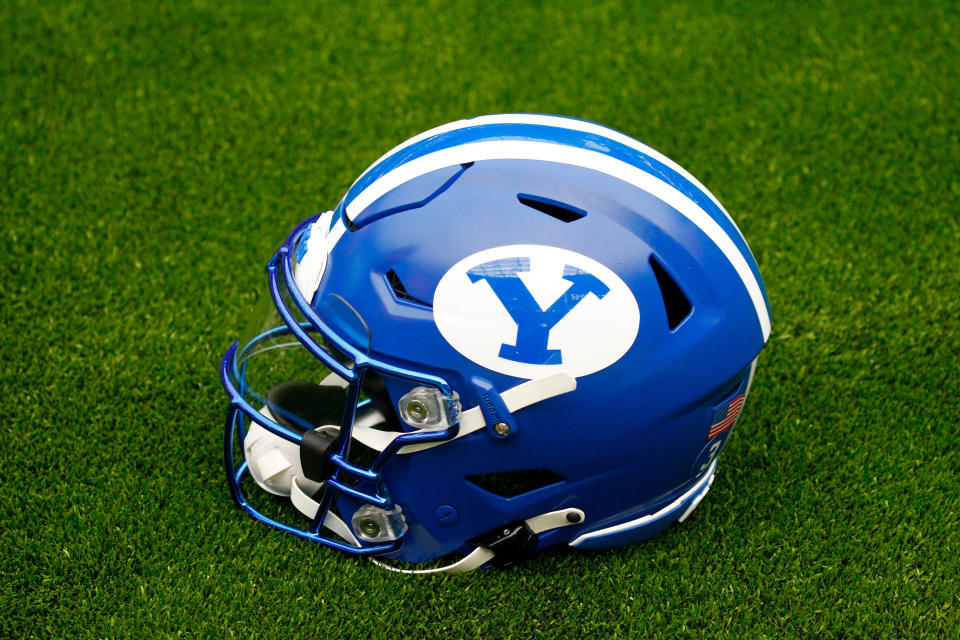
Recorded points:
(274,464)
(273,461)
(481,555)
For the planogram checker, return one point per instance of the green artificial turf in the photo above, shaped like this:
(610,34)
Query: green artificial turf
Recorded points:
(153,156)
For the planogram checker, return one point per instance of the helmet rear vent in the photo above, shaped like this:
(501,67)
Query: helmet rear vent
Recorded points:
(553,208)
(509,484)
(400,291)
(677,305)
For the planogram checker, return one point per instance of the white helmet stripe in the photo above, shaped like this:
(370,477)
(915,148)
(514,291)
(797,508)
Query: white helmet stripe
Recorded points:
(549,152)
(560,122)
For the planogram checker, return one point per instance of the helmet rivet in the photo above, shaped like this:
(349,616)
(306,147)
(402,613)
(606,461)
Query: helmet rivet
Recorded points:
(370,527)
(446,515)
(417,410)
(501,429)
(573,517)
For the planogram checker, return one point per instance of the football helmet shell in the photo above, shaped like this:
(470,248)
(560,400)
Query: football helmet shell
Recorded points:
(531,330)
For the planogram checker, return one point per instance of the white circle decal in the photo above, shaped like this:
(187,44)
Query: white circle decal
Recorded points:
(530,310)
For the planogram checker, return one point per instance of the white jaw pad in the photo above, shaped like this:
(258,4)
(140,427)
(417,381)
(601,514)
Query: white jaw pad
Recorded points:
(281,463)
(271,459)
(274,462)
(271,464)
(515,398)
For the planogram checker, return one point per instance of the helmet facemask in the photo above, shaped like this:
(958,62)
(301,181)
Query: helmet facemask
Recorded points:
(298,389)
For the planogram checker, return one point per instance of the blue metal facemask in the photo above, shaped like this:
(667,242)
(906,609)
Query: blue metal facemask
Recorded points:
(324,459)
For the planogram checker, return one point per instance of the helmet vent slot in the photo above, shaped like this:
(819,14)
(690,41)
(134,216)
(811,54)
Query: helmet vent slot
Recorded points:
(509,484)
(677,304)
(559,210)
(400,291)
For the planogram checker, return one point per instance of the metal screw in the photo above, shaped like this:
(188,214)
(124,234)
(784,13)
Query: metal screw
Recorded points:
(370,527)
(417,410)
(573,517)
(446,515)
(501,429)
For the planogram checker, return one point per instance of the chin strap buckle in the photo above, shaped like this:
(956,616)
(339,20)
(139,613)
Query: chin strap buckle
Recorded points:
(511,543)
(515,541)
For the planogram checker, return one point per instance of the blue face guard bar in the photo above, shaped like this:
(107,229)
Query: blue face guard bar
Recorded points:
(279,270)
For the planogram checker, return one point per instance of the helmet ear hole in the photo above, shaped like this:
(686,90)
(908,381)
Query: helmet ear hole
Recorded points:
(510,484)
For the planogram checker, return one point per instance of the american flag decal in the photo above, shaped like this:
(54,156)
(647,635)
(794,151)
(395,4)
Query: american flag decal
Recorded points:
(725,415)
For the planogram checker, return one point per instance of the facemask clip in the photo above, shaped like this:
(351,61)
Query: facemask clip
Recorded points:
(499,421)
(374,524)
(426,408)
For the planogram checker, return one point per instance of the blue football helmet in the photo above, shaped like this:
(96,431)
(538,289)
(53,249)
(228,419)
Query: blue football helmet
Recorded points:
(513,332)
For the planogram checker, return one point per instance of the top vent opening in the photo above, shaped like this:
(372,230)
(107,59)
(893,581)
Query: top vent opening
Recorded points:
(559,210)
(674,301)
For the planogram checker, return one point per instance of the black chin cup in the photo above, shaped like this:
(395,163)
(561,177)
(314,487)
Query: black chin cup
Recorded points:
(315,451)
(304,406)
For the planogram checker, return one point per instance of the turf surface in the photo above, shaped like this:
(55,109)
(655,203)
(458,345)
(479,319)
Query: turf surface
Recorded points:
(153,156)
